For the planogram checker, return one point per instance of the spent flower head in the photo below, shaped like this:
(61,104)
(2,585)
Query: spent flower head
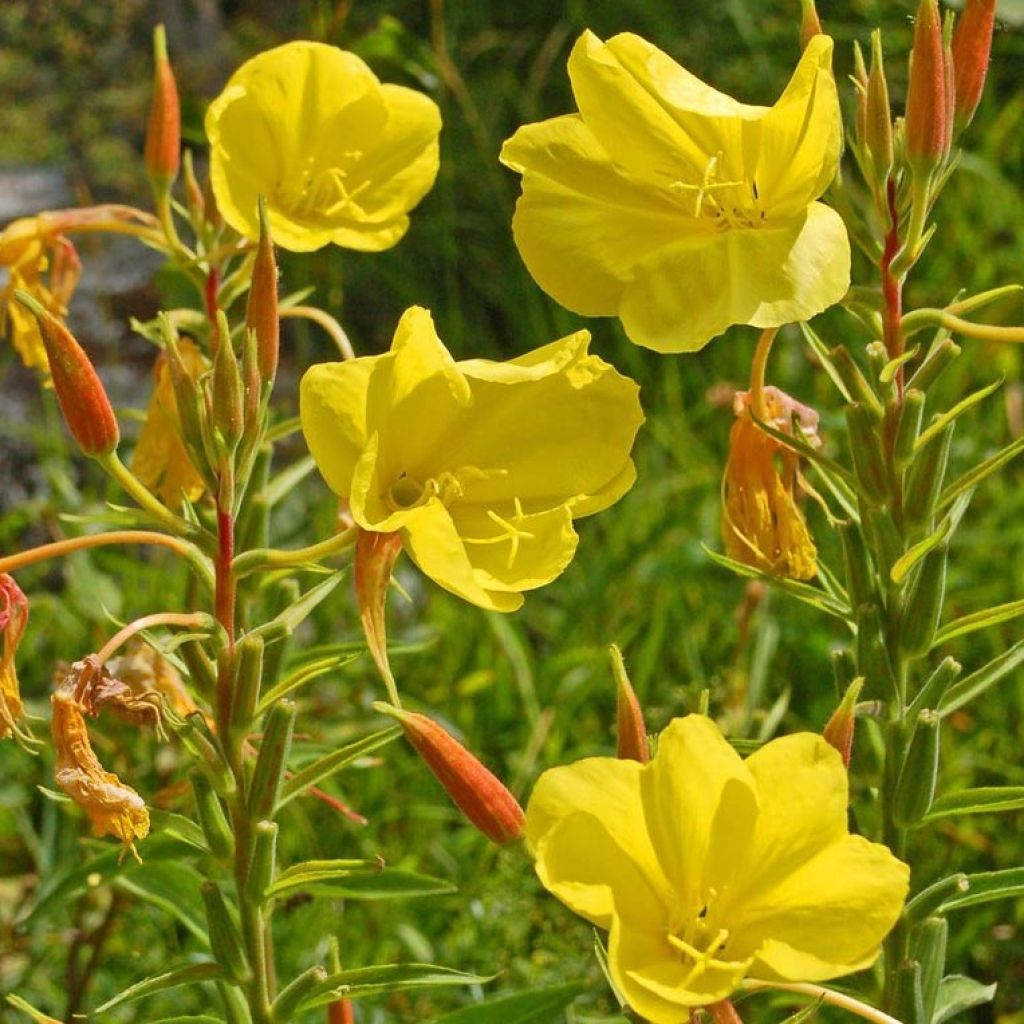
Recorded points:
(707,869)
(675,207)
(13,620)
(339,156)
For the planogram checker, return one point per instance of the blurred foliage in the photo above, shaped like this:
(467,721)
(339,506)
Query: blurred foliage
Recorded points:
(535,689)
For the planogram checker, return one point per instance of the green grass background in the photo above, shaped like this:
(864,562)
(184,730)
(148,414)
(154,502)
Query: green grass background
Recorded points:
(534,689)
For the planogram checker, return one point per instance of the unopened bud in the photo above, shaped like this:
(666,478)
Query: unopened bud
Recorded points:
(838,731)
(926,97)
(925,477)
(163,132)
(949,79)
(866,454)
(928,947)
(261,310)
(878,118)
(83,399)
(860,81)
(272,760)
(632,733)
(225,938)
(915,787)
(923,606)
(227,397)
(810,24)
(194,198)
(972,43)
(477,792)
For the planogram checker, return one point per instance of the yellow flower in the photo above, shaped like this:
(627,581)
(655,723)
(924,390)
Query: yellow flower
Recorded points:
(340,157)
(28,249)
(161,460)
(480,467)
(707,868)
(762,525)
(676,208)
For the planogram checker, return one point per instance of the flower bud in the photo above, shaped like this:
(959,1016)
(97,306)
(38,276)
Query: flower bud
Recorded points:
(872,652)
(924,479)
(910,415)
(839,729)
(341,1012)
(810,24)
(949,78)
(630,728)
(477,792)
(225,938)
(375,558)
(163,132)
(923,605)
(972,43)
(212,819)
(83,400)
(194,198)
(227,396)
(272,759)
(261,309)
(860,80)
(877,116)
(264,861)
(288,1003)
(928,947)
(915,787)
(866,454)
(926,96)
(860,581)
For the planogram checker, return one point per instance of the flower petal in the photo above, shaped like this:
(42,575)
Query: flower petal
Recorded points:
(802,135)
(826,918)
(685,295)
(585,826)
(700,808)
(582,223)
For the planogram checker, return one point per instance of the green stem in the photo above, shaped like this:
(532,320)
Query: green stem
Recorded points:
(272,558)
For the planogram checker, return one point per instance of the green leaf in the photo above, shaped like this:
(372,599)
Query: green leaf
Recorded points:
(984,679)
(957,993)
(806,1013)
(801,591)
(821,351)
(372,884)
(538,1006)
(902,566)
(978,620)
(888,372)
(973,477)
(983,800)
(183,974)
(177,826)
(295,614)
(288,479)
(305,674)
(55,795)
(986,887)
(37,1015)
(201,1018)
(334,762)
(938,423)
(174,888)
(371,981)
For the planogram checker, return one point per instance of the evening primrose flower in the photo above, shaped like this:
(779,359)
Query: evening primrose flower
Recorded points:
(339,156)
(479,467)
(677,208)
(707,869)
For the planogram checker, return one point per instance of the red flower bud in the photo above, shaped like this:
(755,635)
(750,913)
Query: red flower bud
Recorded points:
(810,23)
(163,132)
(477,792)
(80,392)
(839,730)
(261,310)
(632,733)
(972,43)
(926,98)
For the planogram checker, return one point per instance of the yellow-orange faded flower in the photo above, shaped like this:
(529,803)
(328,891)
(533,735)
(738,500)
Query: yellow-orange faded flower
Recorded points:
(707,869)
(13,620)
(762,525)
(339,156)
(480,467)
(677,208)
(29,248)
(161,460)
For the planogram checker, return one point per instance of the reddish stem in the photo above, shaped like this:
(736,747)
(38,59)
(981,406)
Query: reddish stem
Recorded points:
(225,582)
(892,289)
(724,1013)
(210,298)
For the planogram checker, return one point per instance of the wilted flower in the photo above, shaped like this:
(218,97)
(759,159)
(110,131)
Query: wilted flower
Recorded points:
(113,807)
(677,208)
(762,525)
(339,156)
(480,467)
(161,460)
(146,671)
(707,868)
(13,620)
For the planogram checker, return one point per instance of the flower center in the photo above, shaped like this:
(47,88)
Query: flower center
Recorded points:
(724,203)
(701,944)
(323,192)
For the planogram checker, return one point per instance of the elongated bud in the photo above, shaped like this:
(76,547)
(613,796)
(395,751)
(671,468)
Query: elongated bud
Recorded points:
(923,608)
(886,541)
(292,996)
(264,861)
(910,415)
(928,948)
(197,734)
(194,199)
(839,729)
(859,576)
(248,676)
(867,458)
(477,792)
(228,397)
(212,819)
(934,687)
(375,558)
(924,480)
(856,383)
(949,79)
(860,79)
(163,132)
(872,652)
(878,117)
(225,938)
(926,97)
(632,733)
(972,43)
(915,788)
(844,668)
(940,359)
(261,309)
(272,759)
(83,399)
(341,1011)
(810,23)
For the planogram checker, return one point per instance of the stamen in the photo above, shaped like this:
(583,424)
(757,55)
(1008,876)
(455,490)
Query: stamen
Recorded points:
(511,531)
